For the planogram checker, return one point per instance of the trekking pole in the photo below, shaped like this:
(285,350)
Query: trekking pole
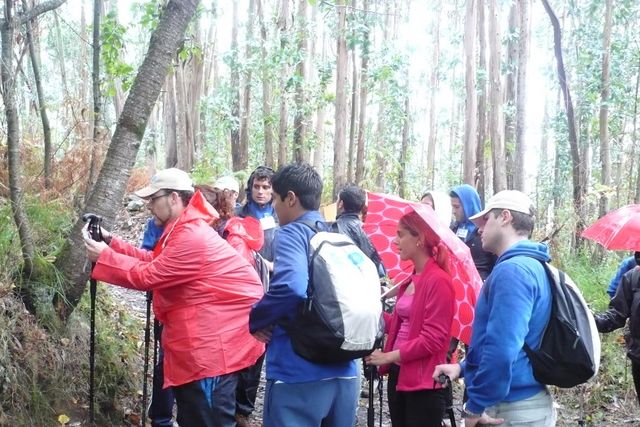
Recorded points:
(380,398)
(446,383)
(96,234)
(581,421)
(370,373)
(147,340)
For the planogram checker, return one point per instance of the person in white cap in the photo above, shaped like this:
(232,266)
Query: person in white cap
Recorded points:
(229,184)
(513,308)
(202,293)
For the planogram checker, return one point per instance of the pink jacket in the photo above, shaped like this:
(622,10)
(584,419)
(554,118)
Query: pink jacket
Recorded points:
(202,293)
(429,328)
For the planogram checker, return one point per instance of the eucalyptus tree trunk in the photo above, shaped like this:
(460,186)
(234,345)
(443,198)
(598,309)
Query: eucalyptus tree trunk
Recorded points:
(634,141)
(245,116)
(283,24)
(480,178)
(110,187)
(300,151)
(521,92)
(266,90)
(510,95)
(236,152)
(433,86)
(605,159)
(364,92)
(8,24)
(402,173)
(352,117)
(97,101)
(495,100)
(46,128)
(471,111)
(339,138)
(169,121)
(579,185)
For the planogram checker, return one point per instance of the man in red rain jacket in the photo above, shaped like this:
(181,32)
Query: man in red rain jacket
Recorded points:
(203,292)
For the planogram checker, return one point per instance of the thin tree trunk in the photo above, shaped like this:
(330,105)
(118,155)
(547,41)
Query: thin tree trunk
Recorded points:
(402,185)
(471,111)
(495,101)
(46,128)
(339,144)
(300,151)
(245,117)
(362,119)
(283,23)
(510,95)
(266,90)
(433,86)
(354,113)
(97,101)
(236,151)
(170,123)
(634,141)
(111,183)
(319,155)
(605,93)
(579,186)
(480,178)
(521,93)
(63,71)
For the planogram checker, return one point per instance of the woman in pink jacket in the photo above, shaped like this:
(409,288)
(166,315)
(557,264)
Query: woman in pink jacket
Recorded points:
(419,329)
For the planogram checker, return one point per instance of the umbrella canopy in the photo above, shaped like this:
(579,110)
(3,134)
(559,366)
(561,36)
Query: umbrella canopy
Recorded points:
(617,230)
(381,224)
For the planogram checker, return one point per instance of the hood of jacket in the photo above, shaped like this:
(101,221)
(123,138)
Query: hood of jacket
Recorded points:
(470,201)
(539,251)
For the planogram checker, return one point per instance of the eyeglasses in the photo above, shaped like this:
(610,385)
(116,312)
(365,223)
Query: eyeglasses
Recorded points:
(157,196)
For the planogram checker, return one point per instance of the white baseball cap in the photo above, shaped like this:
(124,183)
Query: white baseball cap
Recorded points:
(512,200)
(227,183)
(167,179)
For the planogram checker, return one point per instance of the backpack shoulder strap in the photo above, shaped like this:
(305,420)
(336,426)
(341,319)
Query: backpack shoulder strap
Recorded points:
(313,225)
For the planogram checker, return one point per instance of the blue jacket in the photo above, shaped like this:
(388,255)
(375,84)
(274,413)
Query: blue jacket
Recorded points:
(513,308)
(470,201)
(626,265)
(151,235)
(287,290)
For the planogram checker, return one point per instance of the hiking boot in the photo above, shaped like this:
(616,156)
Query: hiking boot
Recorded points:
(243,421)
(364,393)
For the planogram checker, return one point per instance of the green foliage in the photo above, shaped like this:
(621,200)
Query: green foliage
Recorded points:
(112,36)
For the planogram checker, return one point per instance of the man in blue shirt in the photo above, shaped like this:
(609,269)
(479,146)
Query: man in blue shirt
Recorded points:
(513,308)
(298,392)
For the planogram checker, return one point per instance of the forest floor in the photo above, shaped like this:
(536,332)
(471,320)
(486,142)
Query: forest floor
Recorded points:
(619,408)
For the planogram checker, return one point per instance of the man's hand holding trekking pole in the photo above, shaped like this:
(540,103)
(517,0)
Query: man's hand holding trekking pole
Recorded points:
(94,248)
(452,371)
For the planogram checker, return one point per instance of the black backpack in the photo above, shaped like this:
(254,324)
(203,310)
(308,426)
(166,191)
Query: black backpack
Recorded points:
(569,353)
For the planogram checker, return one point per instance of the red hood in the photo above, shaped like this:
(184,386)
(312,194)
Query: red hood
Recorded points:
(248,229)
(198,208)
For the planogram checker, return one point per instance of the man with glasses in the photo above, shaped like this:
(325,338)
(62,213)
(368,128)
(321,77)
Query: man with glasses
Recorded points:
(203,292)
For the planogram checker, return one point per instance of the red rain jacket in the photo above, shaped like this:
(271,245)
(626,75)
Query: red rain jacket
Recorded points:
(202,293)
(245,235)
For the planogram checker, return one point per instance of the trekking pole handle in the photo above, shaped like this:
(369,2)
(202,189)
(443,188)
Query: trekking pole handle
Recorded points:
(95,229)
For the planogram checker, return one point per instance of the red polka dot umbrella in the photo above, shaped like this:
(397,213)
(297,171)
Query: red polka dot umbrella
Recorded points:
(381,222)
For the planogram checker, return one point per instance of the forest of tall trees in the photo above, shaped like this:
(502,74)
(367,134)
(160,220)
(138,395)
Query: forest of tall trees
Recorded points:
(399,96)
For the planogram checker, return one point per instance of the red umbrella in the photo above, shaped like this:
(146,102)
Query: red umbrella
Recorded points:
(381,223)
(617,230)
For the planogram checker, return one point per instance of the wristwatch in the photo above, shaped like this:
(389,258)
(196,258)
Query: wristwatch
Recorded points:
(466,414)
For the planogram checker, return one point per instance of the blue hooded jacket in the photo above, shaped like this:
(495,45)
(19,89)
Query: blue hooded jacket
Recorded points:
(626,265)
(513,308)
(470,201)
